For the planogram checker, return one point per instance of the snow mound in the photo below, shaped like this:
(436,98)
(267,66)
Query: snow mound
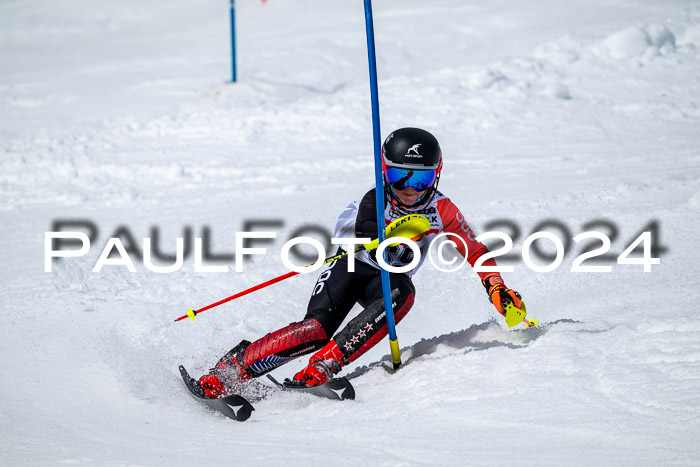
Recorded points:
(521,78)
(694,201)
(636,42)
(561,52)
(690,38)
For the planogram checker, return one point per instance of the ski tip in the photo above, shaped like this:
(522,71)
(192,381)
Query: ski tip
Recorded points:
(184,373)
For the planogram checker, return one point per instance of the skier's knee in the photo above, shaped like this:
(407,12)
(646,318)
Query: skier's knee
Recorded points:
(325,319)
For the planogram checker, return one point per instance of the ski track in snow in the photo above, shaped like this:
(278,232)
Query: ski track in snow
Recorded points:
(119,112)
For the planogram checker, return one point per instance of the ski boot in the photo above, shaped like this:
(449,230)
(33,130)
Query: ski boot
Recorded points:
(323,365)
(212,386)
(227,372)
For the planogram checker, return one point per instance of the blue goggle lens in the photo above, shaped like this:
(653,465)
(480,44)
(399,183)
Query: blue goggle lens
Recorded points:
(419,180)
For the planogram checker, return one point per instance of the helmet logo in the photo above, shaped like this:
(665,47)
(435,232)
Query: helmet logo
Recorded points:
(413,148)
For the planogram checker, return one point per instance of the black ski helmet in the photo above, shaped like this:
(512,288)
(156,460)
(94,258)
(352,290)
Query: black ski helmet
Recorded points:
(411,149)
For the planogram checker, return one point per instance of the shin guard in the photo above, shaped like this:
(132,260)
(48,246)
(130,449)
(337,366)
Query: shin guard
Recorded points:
(279,347)
(369,327)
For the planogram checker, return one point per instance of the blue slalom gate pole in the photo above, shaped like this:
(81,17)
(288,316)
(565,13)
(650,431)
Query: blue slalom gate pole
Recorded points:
(233,41)
(381,224)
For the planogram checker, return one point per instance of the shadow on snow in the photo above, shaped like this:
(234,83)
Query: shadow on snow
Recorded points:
(476,337)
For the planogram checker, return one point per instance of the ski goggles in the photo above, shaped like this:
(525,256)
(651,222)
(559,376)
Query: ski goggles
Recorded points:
(419,180)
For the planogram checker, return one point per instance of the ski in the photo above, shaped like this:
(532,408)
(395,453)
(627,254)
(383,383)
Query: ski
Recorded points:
(233,406)
(337,388)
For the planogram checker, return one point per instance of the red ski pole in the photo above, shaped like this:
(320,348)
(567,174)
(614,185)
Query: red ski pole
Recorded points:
(192,313)
(411,226)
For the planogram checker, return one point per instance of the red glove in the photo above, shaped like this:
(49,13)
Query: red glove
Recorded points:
(507,301)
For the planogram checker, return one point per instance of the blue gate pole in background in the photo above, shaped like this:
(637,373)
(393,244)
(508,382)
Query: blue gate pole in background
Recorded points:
(233,41)
(379,176)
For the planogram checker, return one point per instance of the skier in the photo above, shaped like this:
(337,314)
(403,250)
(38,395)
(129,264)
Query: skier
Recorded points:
(412,162)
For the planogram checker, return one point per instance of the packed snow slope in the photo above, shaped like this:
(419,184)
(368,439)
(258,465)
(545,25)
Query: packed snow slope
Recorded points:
(584,113)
